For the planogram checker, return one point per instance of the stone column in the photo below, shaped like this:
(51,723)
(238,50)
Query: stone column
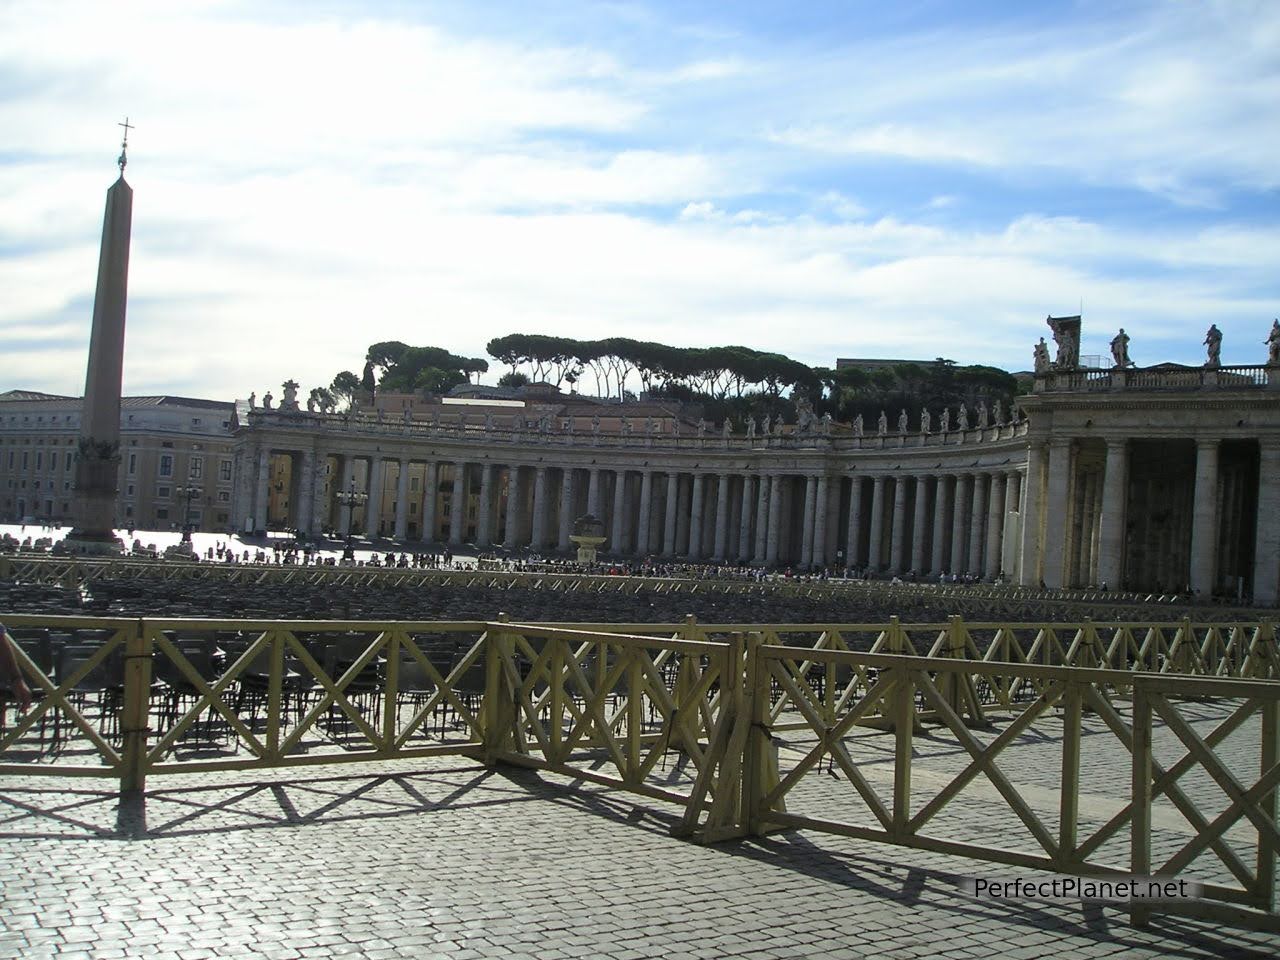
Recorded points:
(1115,496)
(958,525)
(806,541)
(617,540)
(995,526)
(402,500)
(854,533)
(745,510)
(431,483)
(1029,507)
(898,534)
(346,515)
(457,508)
(566,508)
(695,518)
(775,521)
(875,549)
(319,504)
(820,509)
(1057,510)
(541,508)
(264,480)
(484,516)
(515,508)
(1266,557)
(373,506)
(978,524)
(722,516)
(669,521)
(918,525)
(1012,486)
(1204,521)
(762,520)
(941,497)
(645,518)
(306,490)
(593,493)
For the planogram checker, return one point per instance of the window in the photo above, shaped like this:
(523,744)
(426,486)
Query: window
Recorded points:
(166,465)
(224,496)
(128,510)
(162,493)
(26,459)
(167,444)
(128,490)
(197,468)
(133,464)
(39,459)
(195,421)
(224,470)
(53,459)
(162,514)
(413,484)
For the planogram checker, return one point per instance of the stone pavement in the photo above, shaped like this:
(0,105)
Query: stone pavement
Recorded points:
(446,859)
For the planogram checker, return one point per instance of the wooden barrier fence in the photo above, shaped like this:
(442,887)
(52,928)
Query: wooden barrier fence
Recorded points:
(730,722)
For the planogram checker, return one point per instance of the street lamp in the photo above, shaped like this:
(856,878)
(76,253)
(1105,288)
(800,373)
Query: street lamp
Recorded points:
(350,498)
(187,494)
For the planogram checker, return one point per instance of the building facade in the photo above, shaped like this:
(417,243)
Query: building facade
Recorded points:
(168,446)
(1159,479)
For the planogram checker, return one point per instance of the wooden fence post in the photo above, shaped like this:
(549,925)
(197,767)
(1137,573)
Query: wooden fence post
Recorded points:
(498,709)
(1140,797)
(136,709)
(760,759)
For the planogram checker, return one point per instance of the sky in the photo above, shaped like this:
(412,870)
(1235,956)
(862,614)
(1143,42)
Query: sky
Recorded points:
(822,179)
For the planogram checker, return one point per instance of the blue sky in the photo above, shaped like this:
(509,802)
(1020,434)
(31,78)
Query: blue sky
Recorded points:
(822,179)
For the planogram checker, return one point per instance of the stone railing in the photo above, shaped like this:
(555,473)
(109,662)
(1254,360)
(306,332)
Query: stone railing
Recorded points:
(461,427)
(1239,377)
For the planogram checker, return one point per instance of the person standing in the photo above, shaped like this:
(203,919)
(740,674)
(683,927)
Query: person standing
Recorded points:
(11,673)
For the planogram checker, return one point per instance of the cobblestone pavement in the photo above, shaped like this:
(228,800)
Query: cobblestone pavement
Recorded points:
(447,859)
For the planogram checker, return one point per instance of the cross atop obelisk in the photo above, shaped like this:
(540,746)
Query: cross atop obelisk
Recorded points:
(98,455)
(124,144)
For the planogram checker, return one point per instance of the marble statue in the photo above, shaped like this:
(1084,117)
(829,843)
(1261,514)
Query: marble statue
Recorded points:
(962,418)
(1120,349)
(568,425)
(768,422)
(902,421)
(751,427)
(982,415)
(1213,341)
(857,425)
(626,426)
(1041,355)
(311,404)
(882,425)
(381,415)
(595,425)
(726,429)
(266,401)
(702,427)
(1273,344)
(290,399)
(826,424)
(253,401)
(650,426)
(945,425)
(926,420)
(998,414)
(804,415)
(1066,349)
(407,416)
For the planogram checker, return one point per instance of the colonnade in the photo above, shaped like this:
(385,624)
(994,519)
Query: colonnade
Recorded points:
(927,523)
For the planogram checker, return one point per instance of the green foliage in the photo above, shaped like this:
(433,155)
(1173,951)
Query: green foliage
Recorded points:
(513,378)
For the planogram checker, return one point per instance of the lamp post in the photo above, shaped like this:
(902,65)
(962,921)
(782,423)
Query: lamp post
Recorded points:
(187,494)
(350,499)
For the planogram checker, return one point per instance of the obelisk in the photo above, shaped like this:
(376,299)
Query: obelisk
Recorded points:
(98,454)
